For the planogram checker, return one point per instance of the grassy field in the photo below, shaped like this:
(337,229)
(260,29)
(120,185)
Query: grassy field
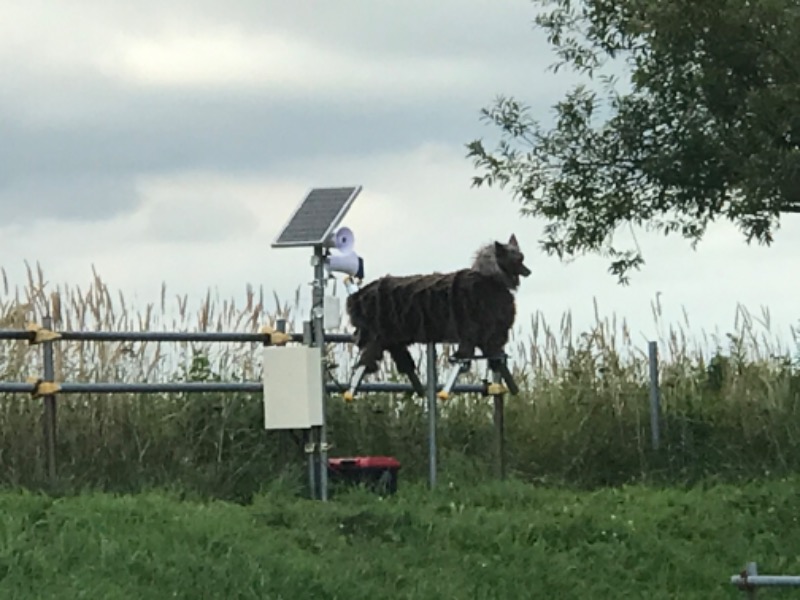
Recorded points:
(672,523)
(509,540)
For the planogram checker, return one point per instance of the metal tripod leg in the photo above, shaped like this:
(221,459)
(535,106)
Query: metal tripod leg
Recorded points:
(458,367)
(355,381)
(499,365)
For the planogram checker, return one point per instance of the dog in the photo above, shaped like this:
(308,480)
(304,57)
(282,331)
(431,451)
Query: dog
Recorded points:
(472,307)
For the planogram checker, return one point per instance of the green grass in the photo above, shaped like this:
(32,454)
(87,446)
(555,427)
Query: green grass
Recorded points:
(502,540)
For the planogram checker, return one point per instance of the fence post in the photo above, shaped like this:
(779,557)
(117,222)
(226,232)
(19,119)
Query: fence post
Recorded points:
(309,438)
(655,393)
(283,436)
(499,429)
(431,389)
(49,406)
(318,316)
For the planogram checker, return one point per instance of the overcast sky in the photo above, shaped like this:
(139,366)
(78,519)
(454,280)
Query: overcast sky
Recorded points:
(169,142)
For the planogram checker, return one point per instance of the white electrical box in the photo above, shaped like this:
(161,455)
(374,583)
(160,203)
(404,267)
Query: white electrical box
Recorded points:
(332,315)
(292,387)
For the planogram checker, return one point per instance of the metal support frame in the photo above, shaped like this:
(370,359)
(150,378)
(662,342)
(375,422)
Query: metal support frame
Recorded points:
(317,315)
(197,387)
(655,396)
(166,336)
(49,414)
(432,410)
(500,429)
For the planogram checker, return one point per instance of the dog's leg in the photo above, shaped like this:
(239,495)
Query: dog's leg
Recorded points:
(371,355)
(465,351)
(367,364)
(405,365)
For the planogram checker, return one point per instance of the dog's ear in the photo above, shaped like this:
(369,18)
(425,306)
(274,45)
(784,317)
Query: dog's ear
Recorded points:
(512,241)
(499,249)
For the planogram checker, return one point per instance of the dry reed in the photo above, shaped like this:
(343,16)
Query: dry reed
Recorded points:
(582,415)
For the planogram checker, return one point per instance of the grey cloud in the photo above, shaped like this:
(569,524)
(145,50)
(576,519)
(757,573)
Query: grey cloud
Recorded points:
(83,164)
(73,196)
(80,172)
(200,220)
(412,28)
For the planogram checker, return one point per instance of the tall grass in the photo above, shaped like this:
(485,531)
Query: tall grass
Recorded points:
(582,416)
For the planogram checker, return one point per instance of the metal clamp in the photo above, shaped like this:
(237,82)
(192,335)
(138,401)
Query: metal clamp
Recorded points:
(495,389)
(43,388)
(40,334)
(311,447)
(276,338)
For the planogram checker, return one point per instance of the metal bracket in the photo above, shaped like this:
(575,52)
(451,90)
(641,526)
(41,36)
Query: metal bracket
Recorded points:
(311,447)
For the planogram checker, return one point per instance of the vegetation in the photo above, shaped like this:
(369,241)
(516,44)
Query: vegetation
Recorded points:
(506,540)
(582,417)
(705,127)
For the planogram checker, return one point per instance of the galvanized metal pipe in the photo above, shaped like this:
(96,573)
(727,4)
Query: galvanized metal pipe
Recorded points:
(750,580)
(432,408)
(15,334)
(49,406)
(318,315)
(309,435)
(166,336)
(21,387)
(655,396)
(499,429)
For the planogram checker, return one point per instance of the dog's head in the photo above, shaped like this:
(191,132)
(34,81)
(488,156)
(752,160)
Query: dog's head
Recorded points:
(511,261)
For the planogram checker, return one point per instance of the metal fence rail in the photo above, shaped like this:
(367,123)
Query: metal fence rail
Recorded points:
(156,336)
(206,387)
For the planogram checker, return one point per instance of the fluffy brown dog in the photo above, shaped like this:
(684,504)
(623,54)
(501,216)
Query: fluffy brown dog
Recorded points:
(472,307)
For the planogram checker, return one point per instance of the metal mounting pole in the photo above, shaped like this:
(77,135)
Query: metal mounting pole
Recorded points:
(309,434)
(655,400)
(49,414)
(318,314)
(431,389)
(499,427)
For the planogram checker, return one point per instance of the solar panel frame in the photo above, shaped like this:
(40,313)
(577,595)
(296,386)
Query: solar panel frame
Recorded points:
(289,237)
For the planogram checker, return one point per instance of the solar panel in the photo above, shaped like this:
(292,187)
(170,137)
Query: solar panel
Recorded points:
(316,217)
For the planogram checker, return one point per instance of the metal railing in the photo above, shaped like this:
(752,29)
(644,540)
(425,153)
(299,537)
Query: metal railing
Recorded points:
(749,580)
(47,388)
